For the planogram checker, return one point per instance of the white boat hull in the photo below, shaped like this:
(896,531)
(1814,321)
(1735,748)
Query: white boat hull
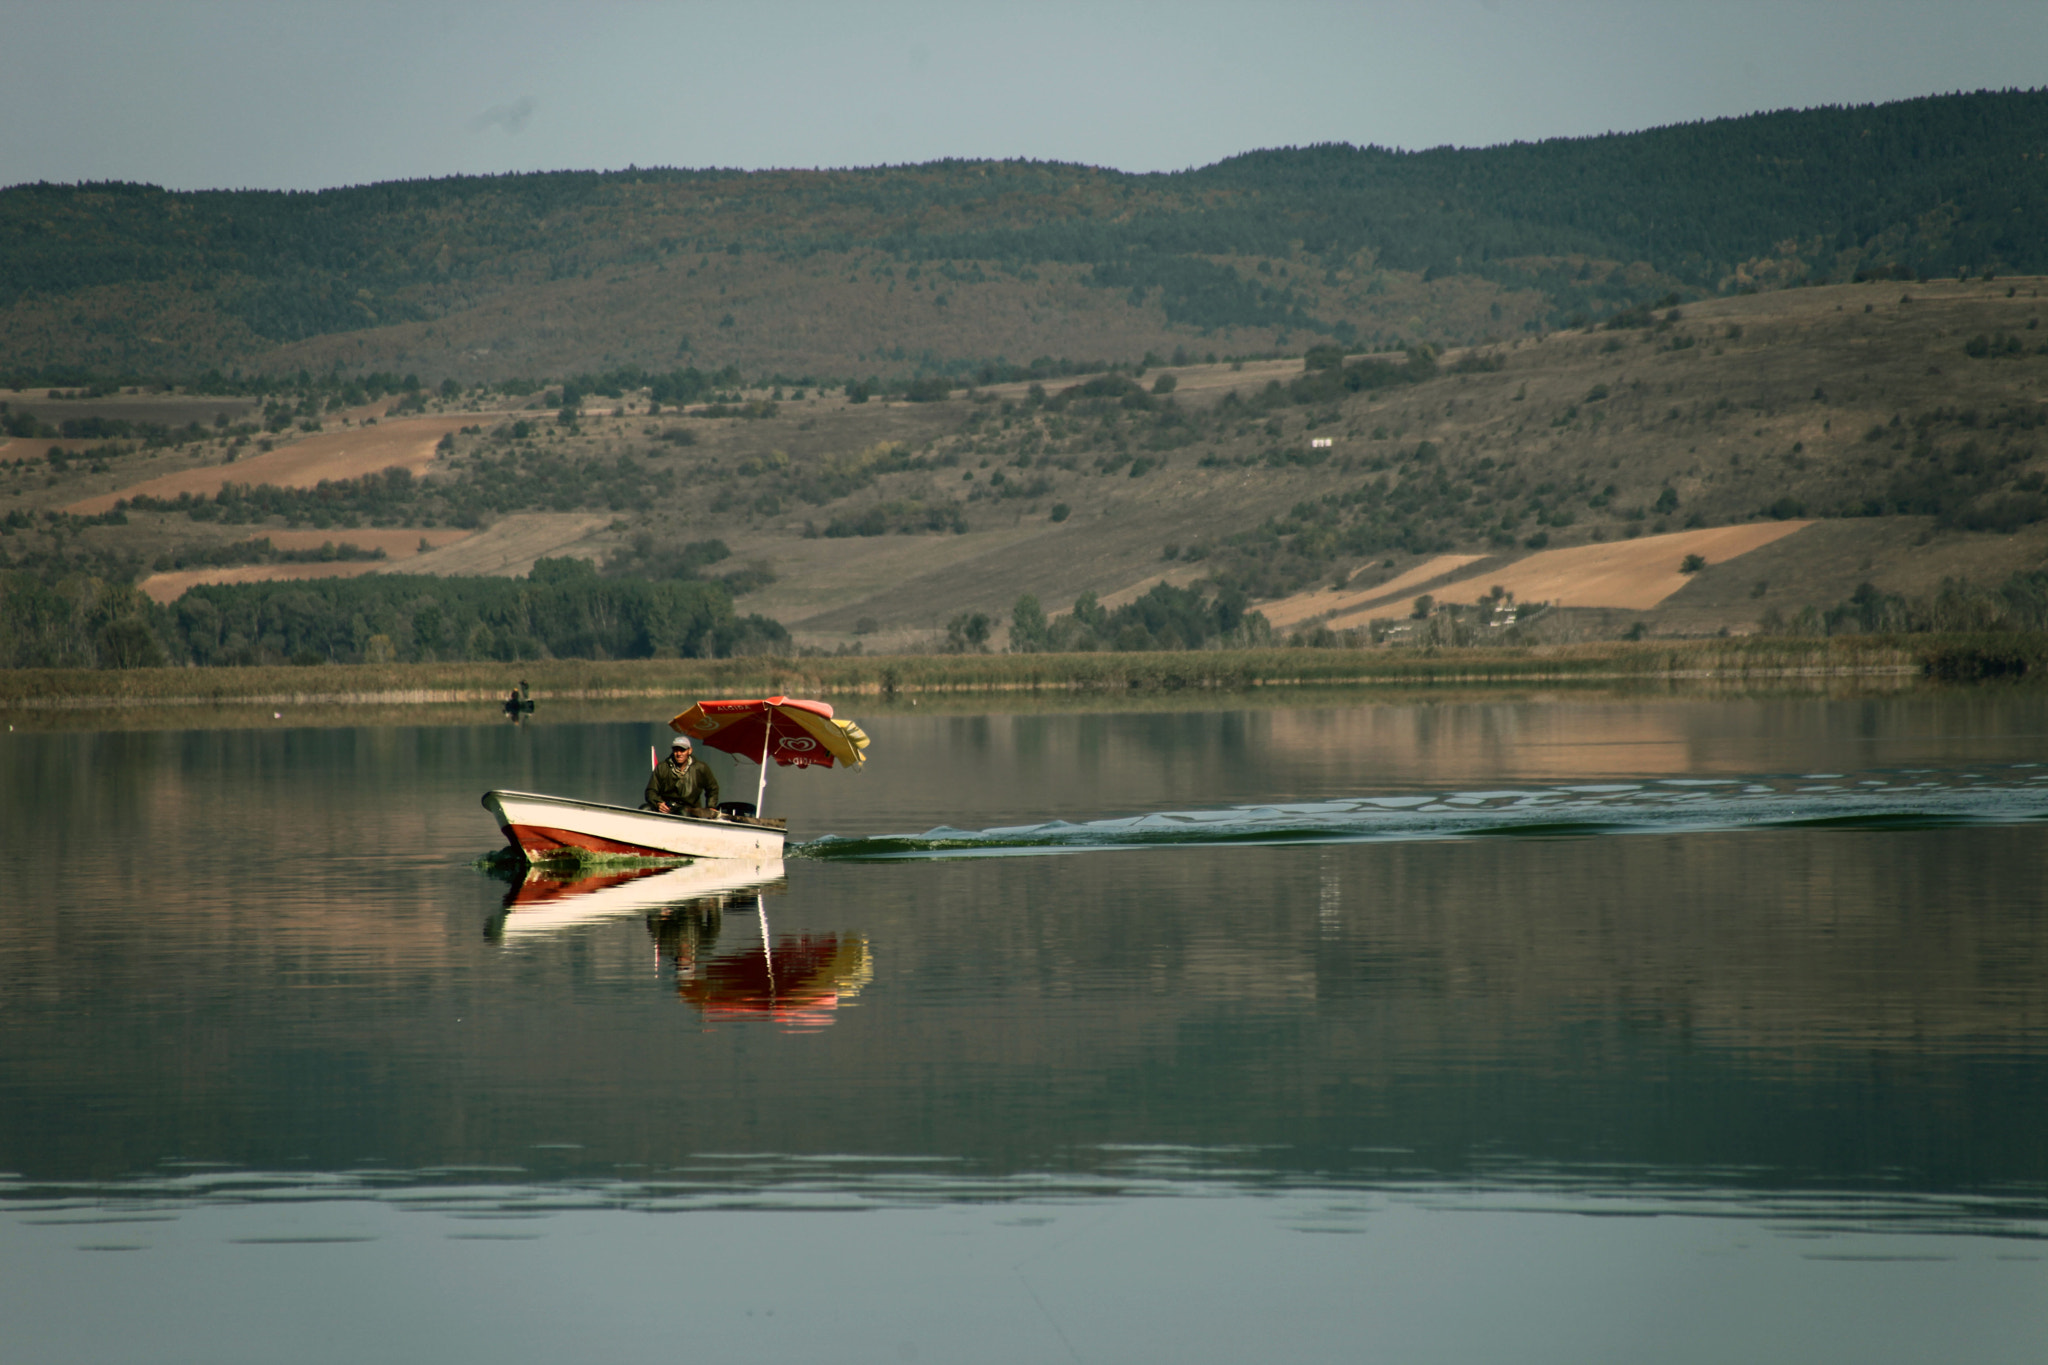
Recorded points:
(547,827)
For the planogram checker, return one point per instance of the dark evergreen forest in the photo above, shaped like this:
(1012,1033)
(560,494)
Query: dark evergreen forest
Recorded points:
(1923,187)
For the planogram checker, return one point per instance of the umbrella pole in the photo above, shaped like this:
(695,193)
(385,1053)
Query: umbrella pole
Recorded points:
(762,790)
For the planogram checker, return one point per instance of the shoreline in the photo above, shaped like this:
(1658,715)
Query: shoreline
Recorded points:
(430,684)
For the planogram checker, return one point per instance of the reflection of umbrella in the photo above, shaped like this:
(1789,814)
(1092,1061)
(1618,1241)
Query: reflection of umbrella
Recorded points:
(802,980)
(796,734)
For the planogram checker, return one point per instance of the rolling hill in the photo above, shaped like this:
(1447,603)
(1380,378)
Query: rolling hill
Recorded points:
(1783,372)
(980,268)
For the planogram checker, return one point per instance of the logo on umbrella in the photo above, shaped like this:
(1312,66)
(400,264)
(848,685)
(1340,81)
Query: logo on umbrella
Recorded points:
(798,744)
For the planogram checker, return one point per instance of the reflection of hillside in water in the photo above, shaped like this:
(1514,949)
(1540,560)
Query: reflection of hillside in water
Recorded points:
(1757,944)
(1561,739)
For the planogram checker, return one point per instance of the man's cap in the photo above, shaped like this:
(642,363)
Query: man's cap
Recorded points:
(679,742)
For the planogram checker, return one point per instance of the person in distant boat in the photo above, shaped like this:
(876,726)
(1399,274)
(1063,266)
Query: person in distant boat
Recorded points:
(682,782)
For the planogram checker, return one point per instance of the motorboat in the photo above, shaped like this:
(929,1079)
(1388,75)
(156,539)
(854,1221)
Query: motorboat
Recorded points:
(784,730)
(547,828)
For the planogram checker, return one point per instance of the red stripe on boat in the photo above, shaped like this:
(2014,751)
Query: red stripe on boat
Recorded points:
(544,839)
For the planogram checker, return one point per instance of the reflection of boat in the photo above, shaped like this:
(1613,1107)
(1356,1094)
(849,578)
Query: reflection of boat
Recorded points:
(800,979)
(546,901)
(544,827)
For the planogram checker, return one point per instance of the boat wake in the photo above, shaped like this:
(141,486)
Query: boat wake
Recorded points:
(1909,799)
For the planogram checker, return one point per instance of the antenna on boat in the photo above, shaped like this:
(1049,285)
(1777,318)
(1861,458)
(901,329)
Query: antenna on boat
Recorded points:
(762,790)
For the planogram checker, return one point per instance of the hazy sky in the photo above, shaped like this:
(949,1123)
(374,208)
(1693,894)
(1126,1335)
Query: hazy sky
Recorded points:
(304,94)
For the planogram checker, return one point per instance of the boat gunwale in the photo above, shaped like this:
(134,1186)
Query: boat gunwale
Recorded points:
(781,828)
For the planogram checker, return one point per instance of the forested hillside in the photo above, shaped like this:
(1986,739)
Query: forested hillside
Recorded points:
(954,267)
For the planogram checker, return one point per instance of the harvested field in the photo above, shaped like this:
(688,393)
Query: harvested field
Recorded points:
(1287,612)
(1633,575)
(394,542)
(508,548)
(1178,577)
(347,454)
(169,587)
(823,584)
(396,545)
(24,448)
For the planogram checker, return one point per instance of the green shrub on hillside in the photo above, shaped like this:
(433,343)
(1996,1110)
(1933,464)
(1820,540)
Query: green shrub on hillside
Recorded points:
(1163,619)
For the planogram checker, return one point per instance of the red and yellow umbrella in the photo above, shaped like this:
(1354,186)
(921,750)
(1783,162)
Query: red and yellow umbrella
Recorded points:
(792,733)
(796,734)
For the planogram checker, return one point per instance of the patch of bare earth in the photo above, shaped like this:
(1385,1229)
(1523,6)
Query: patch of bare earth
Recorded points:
(1287,612)
(1632,575)
(407,443)
(398,546)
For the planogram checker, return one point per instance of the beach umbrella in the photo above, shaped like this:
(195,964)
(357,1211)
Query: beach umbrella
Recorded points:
(792,733)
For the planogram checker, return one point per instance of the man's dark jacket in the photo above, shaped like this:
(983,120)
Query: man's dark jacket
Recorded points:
(689,785)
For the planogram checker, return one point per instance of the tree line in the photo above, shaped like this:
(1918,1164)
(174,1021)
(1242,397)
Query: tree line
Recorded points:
(564,609)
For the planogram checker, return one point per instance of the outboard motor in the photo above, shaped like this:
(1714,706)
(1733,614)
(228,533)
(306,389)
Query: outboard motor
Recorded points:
(732,808)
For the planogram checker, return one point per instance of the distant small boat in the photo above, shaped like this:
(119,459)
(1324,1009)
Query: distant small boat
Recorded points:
(550,827)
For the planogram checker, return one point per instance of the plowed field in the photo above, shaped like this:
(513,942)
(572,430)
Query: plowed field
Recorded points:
(1634,575)
(1288,612)
(347,454)
(397,546)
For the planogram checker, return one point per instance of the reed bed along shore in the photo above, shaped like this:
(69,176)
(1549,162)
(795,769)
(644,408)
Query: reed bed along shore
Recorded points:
(1735,661)
(242,715)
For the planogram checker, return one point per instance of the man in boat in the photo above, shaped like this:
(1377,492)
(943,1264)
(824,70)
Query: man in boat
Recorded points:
(681,783)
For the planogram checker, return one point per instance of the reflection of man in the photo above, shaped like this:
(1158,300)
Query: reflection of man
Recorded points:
(682,782)
(681,933)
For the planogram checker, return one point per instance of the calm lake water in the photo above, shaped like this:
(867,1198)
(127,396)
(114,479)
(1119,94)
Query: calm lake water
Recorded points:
(1543,1029)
